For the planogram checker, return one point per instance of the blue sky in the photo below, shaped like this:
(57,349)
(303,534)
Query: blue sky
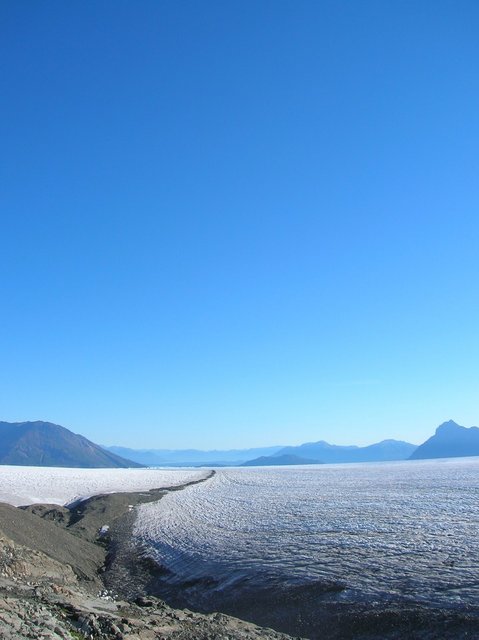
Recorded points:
(231,224)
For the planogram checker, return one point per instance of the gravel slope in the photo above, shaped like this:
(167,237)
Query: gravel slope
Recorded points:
(52,560)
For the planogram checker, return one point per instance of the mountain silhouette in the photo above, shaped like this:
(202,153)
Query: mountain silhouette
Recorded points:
(45,444)
(450,441)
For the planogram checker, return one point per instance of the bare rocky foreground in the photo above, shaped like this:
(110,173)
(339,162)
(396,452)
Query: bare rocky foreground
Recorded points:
(51,565)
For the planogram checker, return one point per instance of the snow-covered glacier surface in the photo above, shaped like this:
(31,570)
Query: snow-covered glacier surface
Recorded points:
(403,530)
(28,485)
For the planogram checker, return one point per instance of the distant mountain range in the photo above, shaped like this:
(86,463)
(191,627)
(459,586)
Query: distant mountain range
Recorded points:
(50,445)
(274,461)
(309,453)
(192,457)
(324,452)
(450,441)
(47,444)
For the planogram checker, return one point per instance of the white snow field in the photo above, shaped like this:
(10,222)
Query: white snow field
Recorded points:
(55,485)
(408,529)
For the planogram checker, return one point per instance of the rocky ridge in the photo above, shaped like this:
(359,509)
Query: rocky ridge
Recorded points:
(42,595)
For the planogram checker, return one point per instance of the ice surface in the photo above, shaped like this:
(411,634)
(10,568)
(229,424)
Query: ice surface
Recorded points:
(404,529)
(28,485)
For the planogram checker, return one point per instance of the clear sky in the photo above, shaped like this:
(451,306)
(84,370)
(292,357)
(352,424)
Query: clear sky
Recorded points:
(240,223)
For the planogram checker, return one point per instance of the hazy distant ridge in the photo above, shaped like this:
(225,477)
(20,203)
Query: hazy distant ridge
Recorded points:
(283,460)
(192,457)
(381,451)
(450,440)
(308,453)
